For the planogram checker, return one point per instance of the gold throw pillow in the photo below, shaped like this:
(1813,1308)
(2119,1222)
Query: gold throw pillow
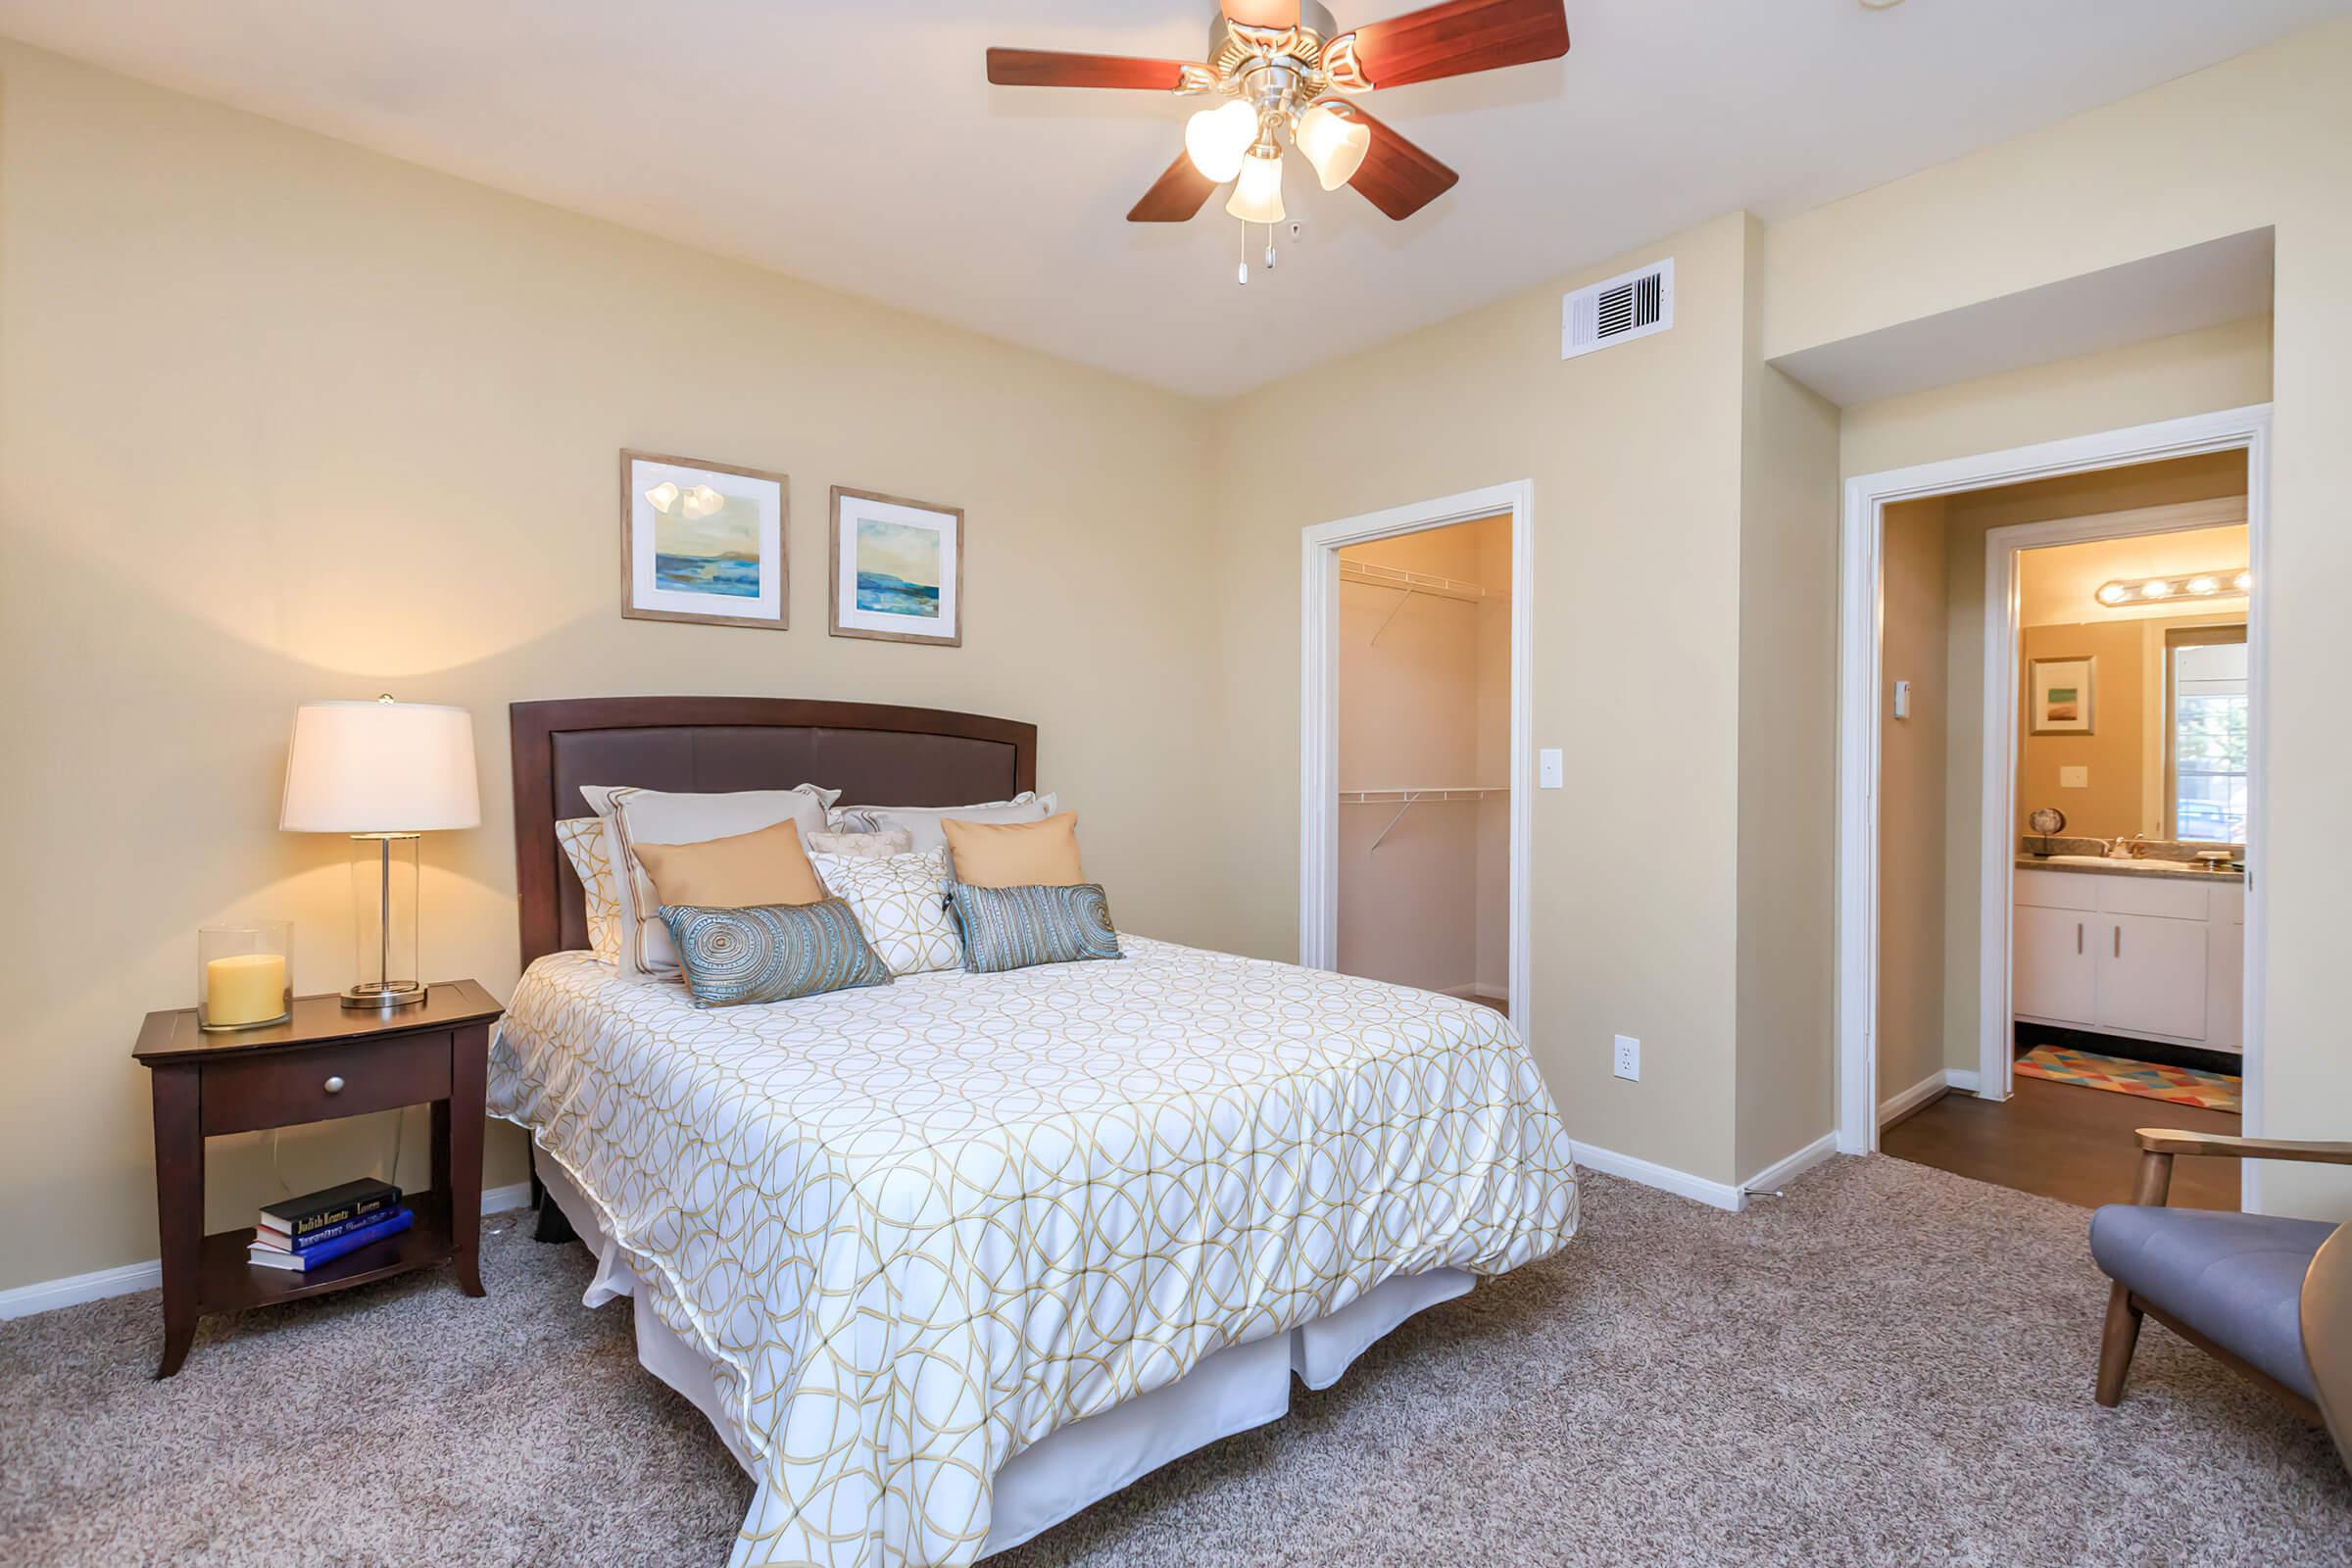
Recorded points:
(746,871)
(1015,854)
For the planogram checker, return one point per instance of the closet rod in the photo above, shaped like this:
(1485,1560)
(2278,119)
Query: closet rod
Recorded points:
(1406,800)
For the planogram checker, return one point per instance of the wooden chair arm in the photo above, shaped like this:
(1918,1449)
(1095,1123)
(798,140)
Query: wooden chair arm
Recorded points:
(2165,1141)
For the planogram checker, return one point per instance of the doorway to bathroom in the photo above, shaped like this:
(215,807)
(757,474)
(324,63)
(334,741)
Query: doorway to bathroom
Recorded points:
(1414,753)
(2050,804)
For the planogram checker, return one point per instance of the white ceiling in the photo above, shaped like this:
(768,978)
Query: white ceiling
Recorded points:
(858,144)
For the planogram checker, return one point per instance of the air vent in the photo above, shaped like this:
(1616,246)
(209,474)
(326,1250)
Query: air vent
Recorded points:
(1624,307)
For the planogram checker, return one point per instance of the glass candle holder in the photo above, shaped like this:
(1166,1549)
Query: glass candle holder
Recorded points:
(244,975)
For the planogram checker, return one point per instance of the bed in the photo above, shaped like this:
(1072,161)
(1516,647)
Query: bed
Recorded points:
(946,1261)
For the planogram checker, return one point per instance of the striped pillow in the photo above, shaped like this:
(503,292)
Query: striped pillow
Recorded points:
(1015,928)
(770,953)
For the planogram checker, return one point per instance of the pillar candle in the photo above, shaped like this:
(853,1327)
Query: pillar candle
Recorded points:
(245,988)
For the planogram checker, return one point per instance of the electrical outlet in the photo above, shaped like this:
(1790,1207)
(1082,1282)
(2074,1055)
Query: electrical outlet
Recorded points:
(2074,779)
(1629,1058)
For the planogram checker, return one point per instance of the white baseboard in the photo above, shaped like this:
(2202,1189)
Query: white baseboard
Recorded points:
(1962,1079)
(1902,1104)
(1478,992)
(1779,1173)
(1665,1178)
(47,1296)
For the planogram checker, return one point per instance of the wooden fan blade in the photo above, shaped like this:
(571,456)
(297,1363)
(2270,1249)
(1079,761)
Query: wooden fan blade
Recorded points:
(1175,196)
(1396,176)
(1263,13)
(1461,37)
(1050,67)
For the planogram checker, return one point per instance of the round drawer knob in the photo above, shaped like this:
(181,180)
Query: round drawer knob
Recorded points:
(334,1086)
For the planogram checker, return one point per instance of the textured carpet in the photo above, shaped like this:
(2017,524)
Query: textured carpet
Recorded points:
(2150,1080)
(1888,1365)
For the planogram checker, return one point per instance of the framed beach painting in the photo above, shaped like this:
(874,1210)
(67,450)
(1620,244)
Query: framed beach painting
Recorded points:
(702,541)
(897,568)
(2061,694)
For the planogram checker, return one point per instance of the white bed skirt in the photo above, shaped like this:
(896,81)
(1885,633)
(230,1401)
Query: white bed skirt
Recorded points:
(1238,1387)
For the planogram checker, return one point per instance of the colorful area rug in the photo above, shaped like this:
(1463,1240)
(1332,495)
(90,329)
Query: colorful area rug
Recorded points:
(2180,1085)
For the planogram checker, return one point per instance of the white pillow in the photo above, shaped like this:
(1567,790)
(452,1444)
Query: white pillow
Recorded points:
(656,816)
(922,821)
(900,901)
(588,848)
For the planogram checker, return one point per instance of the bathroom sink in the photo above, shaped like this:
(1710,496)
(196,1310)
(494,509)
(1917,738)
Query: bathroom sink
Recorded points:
(2103,860)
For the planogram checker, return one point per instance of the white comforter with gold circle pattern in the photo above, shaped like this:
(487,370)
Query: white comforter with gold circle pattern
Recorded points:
(917,1228)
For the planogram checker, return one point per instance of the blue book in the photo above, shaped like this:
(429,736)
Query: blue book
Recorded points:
(277,1241)
(351,1241)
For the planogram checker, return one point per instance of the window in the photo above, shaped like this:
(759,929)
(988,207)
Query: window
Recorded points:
(2205,740)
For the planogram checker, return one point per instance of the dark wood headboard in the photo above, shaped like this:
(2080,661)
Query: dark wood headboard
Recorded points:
(874,754)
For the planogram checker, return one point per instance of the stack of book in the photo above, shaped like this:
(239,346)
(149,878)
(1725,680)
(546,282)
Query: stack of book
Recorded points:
(303,1233)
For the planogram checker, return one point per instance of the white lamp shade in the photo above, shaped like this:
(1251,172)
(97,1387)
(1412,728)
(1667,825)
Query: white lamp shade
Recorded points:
(1334,143)
(380,768)
(1217,138)
(1257,195)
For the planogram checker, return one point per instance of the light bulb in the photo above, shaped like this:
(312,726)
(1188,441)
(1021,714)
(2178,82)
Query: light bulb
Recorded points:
(2203,585)
(2242,581)
(2115,593)
(1334,143)
(663,496)
(1257,195)
(2155,590)
(1217,140)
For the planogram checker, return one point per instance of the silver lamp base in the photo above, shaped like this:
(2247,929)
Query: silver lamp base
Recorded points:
(385,996)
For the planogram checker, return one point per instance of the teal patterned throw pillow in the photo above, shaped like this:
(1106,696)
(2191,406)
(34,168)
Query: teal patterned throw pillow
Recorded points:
(772,952)
(1013,928)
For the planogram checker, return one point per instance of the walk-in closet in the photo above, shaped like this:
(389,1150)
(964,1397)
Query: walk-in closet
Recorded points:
(1424,760)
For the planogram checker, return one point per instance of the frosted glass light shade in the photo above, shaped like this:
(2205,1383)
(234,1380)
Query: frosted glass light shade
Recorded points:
(1215,139)
(380,768)
(1334,143)
(1257,195)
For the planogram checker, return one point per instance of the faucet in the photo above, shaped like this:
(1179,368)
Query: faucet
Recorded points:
(2128,849)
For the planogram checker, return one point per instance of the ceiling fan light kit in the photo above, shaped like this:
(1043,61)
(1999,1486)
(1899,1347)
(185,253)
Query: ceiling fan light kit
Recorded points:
(1288,72)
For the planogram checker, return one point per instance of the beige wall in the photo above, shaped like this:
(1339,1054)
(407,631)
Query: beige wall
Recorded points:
(1667,549)
(281,420)
(1427,704)
(1915,589)
(1636,560)
(1787,782)
(2257,141)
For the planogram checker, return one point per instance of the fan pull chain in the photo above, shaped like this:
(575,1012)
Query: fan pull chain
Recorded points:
(1241,273)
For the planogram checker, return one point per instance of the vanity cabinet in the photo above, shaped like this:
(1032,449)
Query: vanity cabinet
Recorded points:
(2152,957)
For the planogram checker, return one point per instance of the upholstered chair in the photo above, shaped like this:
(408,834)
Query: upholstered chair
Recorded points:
(2229,1284)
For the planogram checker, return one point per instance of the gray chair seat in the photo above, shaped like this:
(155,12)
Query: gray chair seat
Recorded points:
(2237,1279)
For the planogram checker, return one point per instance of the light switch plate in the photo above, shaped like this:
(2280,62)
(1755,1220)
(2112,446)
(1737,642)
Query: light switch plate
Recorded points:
(1629,1059)
(1550,770)
(1903,698)
(2074,779)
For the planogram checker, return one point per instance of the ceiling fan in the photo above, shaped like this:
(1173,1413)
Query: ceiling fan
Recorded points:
(1284,70)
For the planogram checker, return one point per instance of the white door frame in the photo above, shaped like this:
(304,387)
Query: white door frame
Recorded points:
(1996,837)
(1319,713)
(1859,719)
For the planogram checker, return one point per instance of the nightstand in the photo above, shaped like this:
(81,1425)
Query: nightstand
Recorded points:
(323,1062)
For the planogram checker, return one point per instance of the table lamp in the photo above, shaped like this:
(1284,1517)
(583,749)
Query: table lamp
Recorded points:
(382,773)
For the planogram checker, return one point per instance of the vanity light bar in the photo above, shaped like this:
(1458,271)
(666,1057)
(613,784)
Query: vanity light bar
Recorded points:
(2227,583)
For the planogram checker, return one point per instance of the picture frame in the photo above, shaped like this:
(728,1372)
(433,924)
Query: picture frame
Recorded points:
(704,542)
(896,566)
(2061,695)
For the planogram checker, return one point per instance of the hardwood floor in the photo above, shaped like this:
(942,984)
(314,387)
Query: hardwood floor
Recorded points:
(2062,1141)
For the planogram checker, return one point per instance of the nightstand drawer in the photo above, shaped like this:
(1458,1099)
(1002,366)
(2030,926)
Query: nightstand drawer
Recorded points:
(278,1089)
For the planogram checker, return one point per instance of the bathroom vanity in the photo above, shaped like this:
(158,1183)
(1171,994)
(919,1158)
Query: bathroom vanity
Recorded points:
(2128,949)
